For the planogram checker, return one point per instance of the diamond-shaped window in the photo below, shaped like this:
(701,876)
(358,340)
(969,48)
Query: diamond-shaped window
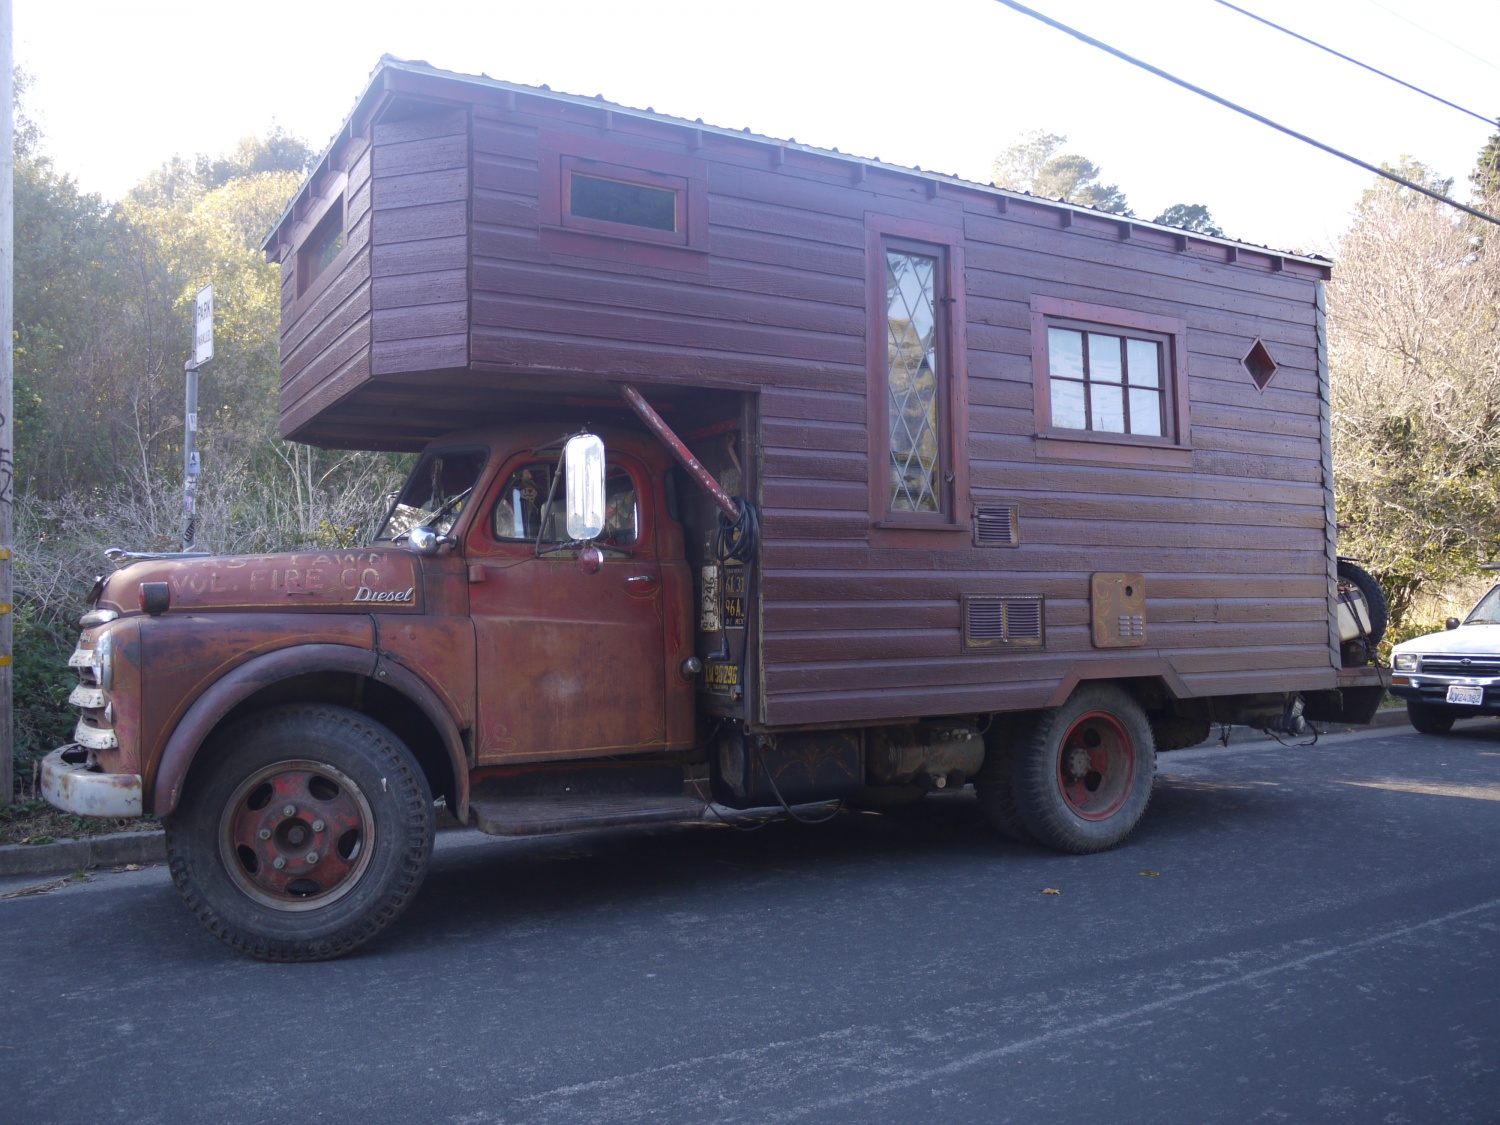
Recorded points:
(1259,363)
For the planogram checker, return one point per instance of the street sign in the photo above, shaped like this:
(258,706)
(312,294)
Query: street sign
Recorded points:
(203,326)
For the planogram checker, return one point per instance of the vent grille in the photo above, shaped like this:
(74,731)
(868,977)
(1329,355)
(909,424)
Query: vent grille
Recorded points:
(997,525)
(1016,621)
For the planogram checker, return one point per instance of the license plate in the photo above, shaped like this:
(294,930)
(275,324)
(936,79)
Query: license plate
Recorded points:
(721,679)
(1461,693)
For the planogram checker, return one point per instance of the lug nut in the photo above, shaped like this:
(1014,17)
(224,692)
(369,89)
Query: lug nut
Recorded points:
(312,858)
(279,862)
(317,826)
(290,810)
(264,833)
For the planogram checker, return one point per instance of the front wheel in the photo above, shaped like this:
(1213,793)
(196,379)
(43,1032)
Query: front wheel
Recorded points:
(303,833)
(1430,718)
(1081,774)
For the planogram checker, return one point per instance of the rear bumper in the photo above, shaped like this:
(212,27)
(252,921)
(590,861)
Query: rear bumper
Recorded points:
(70,784)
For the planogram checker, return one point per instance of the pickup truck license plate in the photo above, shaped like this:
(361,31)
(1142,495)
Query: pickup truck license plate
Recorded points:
(1462,693)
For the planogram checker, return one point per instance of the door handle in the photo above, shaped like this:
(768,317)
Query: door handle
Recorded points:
(640,579)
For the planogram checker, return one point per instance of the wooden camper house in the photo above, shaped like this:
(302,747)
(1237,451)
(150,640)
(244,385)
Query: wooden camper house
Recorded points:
(999,444)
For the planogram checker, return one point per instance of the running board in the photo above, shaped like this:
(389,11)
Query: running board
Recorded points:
(536,816)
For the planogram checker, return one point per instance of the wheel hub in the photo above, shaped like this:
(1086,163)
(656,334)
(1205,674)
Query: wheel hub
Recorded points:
(296,835)
(1096,766)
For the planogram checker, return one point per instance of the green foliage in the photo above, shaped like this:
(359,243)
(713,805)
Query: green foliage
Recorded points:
(40,683)
(1190,216)
(1486,174)
(1036,163)
(1415,370)
(103,326)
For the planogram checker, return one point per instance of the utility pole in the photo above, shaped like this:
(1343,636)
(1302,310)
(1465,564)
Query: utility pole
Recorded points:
(7,374)
(203,351)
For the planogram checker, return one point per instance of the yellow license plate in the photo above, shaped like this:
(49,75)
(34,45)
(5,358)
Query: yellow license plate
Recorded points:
(721,679)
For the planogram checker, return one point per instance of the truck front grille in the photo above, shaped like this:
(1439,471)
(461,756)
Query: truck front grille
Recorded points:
(1461,665)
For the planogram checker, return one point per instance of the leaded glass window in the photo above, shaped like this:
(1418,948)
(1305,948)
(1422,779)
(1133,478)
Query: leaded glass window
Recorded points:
(913,381)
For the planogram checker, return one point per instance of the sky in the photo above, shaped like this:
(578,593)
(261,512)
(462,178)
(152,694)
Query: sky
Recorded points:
(118,88)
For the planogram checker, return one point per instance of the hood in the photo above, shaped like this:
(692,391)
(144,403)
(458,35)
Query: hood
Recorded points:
(1466,640)
(323,581)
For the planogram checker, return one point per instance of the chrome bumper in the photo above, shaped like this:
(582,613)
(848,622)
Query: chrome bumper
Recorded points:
(69,784)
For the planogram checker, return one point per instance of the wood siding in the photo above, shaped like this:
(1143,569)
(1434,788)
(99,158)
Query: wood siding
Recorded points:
(1233,540)
(421,261)
(325,332)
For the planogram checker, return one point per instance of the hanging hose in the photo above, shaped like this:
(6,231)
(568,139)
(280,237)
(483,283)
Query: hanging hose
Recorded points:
(736,539)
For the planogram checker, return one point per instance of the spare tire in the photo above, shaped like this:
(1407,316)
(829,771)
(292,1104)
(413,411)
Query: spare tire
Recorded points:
(1351,575)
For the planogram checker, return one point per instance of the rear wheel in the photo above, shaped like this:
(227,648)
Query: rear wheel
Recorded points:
(992,783)
(1430,718)
(1081,774)
(304,833)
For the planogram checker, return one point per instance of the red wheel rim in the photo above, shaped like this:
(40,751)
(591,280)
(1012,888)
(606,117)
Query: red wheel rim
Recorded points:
(296,835)
(1096,765)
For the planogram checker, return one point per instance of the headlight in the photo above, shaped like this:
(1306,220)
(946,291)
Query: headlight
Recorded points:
(104,659)
(1407,662)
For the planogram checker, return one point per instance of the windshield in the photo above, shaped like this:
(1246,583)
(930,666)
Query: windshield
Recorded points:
(435,493)
(1487,612)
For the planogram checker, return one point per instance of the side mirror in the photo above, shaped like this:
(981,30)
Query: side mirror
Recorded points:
(1453,623)
(425,541)
(583,458)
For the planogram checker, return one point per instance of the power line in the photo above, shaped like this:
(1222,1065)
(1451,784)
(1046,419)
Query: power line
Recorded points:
(1435,35)
(1227,104)
(1356,62)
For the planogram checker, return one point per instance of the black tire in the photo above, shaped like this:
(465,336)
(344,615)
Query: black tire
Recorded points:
(1178,732)
(1358,577)
(354,847)
(992,783)
(1082,773)
(1430,718)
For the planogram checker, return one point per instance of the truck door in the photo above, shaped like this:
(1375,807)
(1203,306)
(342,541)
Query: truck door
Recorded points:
(569,663)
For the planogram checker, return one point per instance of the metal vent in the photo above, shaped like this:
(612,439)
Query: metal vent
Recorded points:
(1013,621)
(997,525)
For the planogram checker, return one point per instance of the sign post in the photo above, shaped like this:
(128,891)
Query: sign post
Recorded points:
(203,351)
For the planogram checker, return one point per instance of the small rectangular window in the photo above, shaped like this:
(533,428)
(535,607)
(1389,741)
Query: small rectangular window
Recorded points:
(1109,376)
(623,202)
(616,201)
(1106,383)
(322,247)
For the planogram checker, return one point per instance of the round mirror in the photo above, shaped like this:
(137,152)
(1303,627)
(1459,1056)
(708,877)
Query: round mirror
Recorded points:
(425,541)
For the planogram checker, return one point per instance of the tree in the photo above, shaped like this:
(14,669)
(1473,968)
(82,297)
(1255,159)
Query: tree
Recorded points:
(1415,369)
(1037,164)
(1190,216)
(1486,174)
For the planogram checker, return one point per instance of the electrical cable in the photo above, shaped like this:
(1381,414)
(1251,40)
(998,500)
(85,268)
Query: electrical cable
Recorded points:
(838,808)
(1227,104)
(709,805)
(1340,55)
(1435,35)
(736,540)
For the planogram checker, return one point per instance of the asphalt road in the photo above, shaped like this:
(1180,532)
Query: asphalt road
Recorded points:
(1293,935)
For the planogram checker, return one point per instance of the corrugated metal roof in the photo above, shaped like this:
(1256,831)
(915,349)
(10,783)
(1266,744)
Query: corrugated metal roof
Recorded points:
(484,81)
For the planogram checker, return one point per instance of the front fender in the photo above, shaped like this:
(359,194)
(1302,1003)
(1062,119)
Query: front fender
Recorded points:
(238,685)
